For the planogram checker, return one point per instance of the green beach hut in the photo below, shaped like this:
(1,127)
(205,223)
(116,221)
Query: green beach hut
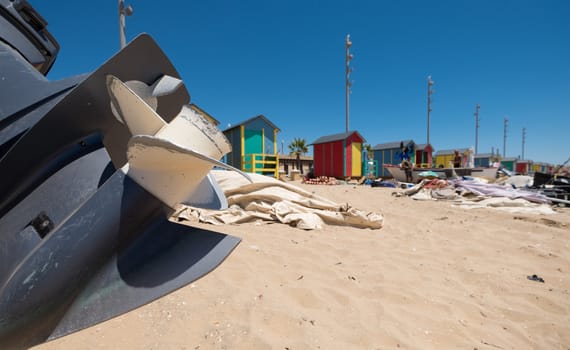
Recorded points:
(254,146)
(509,163)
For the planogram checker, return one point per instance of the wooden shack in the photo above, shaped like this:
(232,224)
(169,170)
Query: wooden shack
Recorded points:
(444,158)
(484,160)
(509,163)
(254,146)
(541,167)
(423,156)
(391,153)
(338,155)
(523,167)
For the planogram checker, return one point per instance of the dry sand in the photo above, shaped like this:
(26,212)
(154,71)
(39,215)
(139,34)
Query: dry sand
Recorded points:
(434,277)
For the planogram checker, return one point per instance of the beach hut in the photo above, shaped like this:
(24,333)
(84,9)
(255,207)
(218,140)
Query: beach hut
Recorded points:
(509,163)
(390,153)
(424,156)
(523,167)
(444,158)
(541,167)
(484,160)
(338,155)
(288,162)
(254,146)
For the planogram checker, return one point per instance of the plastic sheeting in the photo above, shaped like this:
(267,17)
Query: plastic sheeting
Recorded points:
(270,200)
(517,205)
(471,194)
(494,190)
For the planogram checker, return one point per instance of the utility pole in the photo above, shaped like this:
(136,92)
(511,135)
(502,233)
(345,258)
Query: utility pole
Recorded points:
(348,58)
(476,126)
(523,141)
(505,138)
(430,91)
(123,11)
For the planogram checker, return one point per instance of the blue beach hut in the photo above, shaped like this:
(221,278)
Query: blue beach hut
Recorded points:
(390,153)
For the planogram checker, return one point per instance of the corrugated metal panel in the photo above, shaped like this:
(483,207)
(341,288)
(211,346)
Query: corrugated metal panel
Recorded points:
(337,159)
(391,145)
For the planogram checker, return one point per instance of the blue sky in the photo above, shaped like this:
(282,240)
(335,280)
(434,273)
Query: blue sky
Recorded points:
(286,60)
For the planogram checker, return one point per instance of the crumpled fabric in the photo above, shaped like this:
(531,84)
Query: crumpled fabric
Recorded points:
(494,190)
(476,194)
(517,205)
(271,200)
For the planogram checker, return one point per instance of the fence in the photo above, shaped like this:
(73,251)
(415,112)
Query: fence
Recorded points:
(266,164)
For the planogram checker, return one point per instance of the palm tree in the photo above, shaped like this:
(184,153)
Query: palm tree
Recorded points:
(298,146)
(369,151)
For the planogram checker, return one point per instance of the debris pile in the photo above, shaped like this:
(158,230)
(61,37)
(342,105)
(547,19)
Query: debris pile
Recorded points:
(473,193)
(321,180)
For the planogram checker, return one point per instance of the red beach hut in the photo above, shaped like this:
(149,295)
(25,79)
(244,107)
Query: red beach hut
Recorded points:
(338,155)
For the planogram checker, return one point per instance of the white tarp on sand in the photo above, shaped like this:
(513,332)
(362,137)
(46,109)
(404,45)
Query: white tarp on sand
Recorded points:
(474,194)
(268,199)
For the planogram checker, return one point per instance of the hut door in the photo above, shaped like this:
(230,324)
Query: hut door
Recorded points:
(253,142)
(356,159)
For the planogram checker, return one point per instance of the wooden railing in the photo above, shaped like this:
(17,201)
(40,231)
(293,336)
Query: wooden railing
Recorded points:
(266,164)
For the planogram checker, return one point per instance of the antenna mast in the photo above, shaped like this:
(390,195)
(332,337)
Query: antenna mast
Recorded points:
(476,126)
(505,138)
(523,141)
(430,91)
(348,58)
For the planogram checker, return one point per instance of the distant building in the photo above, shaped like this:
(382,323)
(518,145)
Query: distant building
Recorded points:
(423,156)
(540,167)
(338,155)
(509,163)
(391,153)
(523,167)
(289,162)
(484,160)
(444,158)
(254,146)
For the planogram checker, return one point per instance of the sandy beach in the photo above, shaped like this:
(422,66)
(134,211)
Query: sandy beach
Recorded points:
(434,277)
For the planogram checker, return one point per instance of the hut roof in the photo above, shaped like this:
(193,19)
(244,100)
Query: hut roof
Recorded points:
(390,145)
(253,118)
(423,146)
(484,155)
(336,137)
(450,151)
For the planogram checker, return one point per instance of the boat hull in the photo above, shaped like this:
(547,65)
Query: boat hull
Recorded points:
(399,174)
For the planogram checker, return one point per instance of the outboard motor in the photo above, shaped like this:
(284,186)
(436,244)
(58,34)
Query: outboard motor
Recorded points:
(86,184)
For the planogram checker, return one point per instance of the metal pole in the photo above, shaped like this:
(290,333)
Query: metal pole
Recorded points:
(476,127)
(429,92)
(348,70)
(122,24)
(123,11)
(523,141)
(505,138)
